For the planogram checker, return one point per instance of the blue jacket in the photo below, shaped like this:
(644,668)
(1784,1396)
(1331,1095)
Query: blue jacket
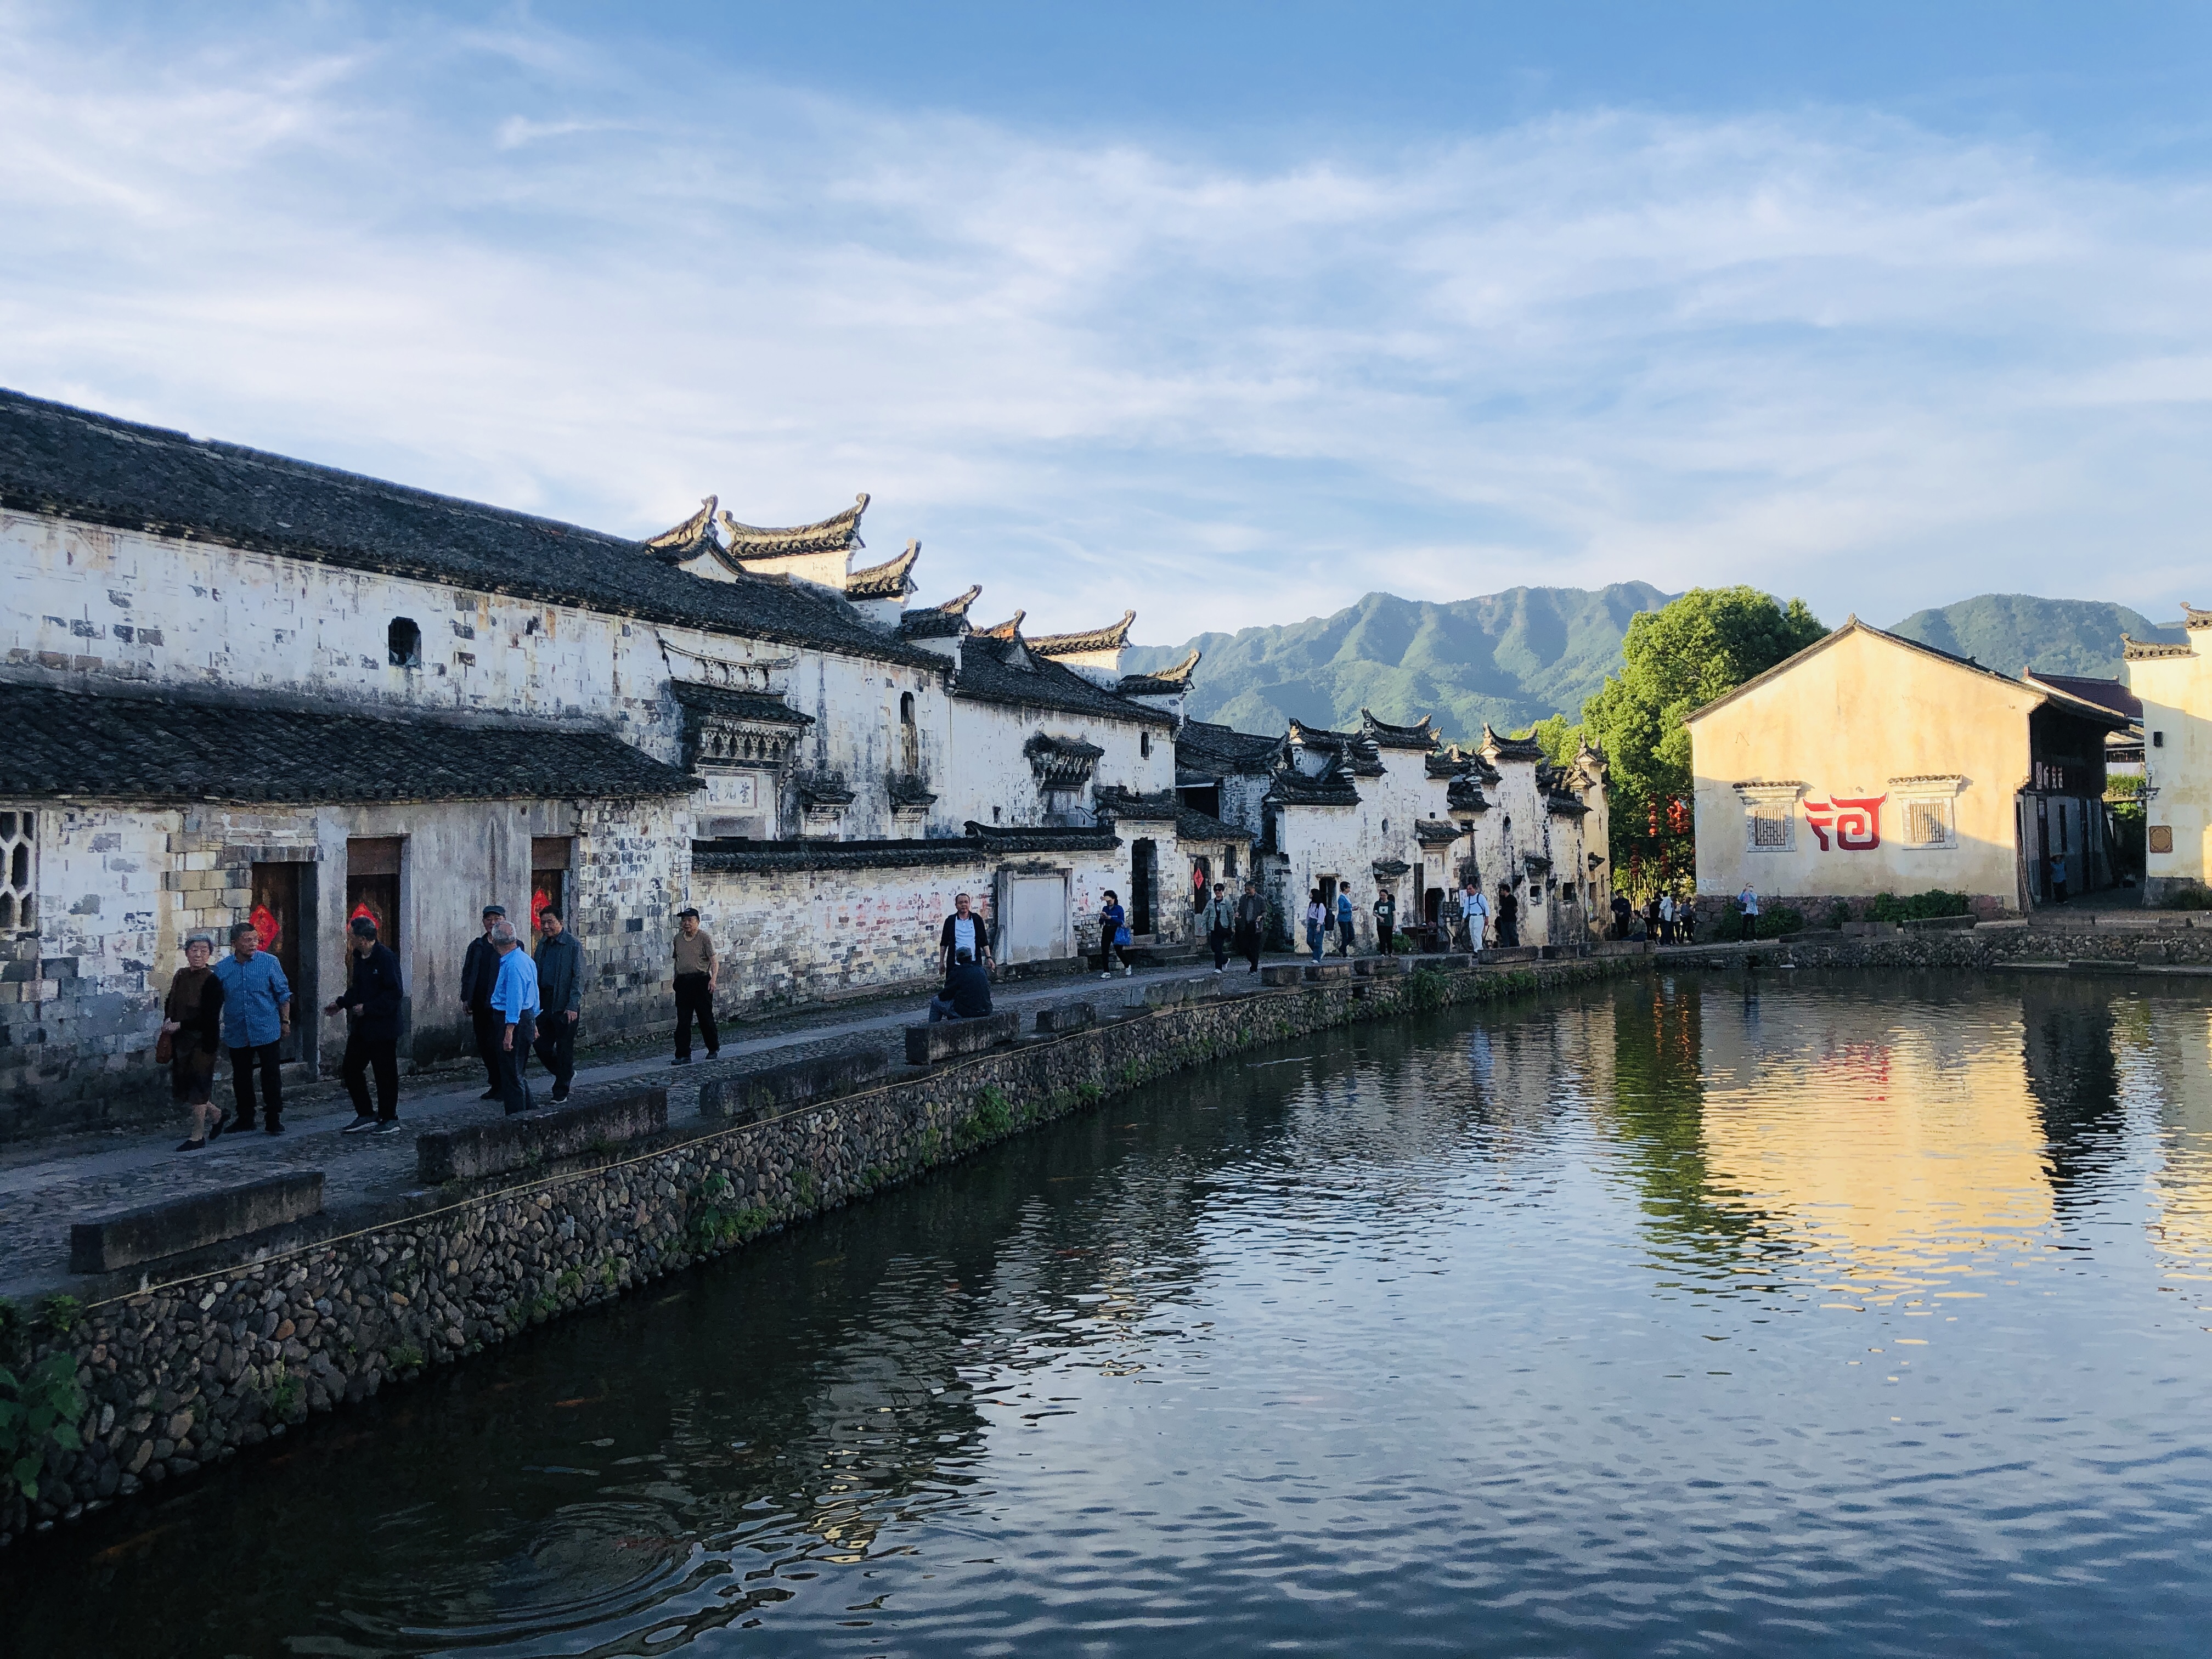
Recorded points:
(516,993)
(968,987)
(252,992)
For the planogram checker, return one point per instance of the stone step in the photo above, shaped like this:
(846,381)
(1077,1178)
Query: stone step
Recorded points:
(131,1237)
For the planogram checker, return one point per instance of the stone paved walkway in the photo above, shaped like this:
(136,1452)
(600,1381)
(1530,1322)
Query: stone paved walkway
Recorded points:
(45,1188)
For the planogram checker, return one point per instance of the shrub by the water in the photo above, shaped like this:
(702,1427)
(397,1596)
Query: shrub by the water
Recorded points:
(1921,906)
(2189,898)
(1774,921)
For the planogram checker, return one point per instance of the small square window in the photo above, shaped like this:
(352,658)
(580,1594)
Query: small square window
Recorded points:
(1930,823)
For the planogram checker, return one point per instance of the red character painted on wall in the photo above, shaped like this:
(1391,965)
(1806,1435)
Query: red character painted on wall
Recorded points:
(1855,820)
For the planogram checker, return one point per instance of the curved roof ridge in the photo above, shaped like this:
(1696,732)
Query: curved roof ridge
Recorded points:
(892,580)
(835,533)
(1009,629)
(1112,637)
(957,605)
(682,540)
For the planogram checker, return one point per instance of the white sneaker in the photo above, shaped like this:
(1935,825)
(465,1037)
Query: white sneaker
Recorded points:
(1127,970)
(1108,974)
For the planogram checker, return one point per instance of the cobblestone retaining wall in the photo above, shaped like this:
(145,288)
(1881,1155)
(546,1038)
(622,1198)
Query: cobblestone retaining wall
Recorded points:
(191,1372)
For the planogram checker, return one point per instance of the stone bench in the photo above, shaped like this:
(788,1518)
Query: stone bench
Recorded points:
(1316,972)
(1282,973)
(1511,953)
(131,1236)
(774,1090)
(534,1138)
(1066,1016)
(948,1039)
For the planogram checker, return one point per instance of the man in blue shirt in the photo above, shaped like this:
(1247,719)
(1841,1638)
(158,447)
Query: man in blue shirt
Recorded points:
(514,996)
(257,1016)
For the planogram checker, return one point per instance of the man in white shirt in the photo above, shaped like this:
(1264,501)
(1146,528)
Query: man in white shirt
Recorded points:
(1474,904)
(962,930)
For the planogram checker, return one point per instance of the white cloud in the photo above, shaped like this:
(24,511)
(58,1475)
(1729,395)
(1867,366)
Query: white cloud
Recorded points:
(1832,353)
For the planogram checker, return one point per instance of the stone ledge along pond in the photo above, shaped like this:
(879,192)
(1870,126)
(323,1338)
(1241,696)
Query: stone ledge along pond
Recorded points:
(1847,1314)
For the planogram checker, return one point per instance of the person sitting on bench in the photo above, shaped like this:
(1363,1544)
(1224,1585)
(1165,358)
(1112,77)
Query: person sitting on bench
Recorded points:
(967,993)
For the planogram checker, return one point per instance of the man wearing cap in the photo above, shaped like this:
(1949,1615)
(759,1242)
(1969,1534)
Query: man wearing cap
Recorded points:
(371,1005)
(695,986)
(514,1004)
(479,972)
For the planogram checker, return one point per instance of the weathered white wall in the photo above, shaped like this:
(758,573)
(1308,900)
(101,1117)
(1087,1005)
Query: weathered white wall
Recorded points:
(991,781)
(129,605)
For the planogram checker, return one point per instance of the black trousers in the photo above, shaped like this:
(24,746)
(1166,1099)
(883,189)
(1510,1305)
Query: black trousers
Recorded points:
(1219,938)
(381,1055)
(1509,934)
(556,1048)
(491,1030)
(243,1061)
(694,999)
(1386,940)
(514,1094)
(1751,927)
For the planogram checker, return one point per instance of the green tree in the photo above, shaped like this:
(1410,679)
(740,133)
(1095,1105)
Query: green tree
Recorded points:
(1560,739)
(1675,660)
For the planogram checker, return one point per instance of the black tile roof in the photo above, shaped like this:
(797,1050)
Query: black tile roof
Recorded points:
(987,675)
(75,464)
(1191,824)
(1116,802)
(1419,735)
(982,840)
(1333,787)
(1511,748)
(728,700)
(121,747)
(1465,795)
(1203,747)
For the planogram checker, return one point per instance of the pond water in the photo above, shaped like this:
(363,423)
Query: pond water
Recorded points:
(1711,1315)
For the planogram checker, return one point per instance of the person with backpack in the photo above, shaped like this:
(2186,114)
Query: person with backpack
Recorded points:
(1344,939)
(1112,935)
(1509,918)
(1474,904)
(1748,902)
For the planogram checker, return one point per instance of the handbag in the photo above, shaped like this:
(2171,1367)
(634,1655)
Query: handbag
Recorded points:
(164,1048)
(1121,936)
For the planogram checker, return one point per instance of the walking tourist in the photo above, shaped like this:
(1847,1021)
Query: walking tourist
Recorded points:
(1316,924)
(964,930)
(1686,920)
(1748,902)
(1344,924)
(1251,925)
(1385,921)
(559,963)
(515,996)
(1112,935)
(371,1005)
(191,1025)
(1651,917)
(1665,918)
(1509,918)
(1475,903)
(1220,925)
(257,1016)
(479,971)
(695,986)
(967,993)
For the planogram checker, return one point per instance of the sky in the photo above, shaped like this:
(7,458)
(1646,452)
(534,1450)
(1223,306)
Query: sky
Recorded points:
(1232,313)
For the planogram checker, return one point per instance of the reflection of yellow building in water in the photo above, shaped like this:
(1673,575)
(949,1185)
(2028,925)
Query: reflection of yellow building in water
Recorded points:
(1898,1152)
(2164,1052)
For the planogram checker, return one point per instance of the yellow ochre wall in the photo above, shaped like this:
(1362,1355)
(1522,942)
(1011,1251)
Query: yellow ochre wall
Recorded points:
(1848,719)
(2177,702)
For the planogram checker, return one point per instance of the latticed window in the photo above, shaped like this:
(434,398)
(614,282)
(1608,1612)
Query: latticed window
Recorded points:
(1769,826)
(19,870)
(1928,824)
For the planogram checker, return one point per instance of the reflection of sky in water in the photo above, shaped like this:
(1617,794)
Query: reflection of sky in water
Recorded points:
(1667,1318)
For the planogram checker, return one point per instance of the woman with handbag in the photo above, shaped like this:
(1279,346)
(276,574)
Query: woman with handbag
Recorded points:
(192,1037)
(1112,935)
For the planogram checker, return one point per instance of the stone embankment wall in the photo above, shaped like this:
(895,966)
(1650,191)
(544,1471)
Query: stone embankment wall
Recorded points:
(191,1372)
(2141,939)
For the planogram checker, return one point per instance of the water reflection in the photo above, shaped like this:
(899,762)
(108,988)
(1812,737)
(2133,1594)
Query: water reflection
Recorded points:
(1690,1315)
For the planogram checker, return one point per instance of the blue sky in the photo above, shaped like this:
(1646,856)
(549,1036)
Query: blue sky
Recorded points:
(1228,313)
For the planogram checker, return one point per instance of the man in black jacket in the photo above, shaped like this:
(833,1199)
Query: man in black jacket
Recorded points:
(964,930)
(560,962)
(479,972)
(371,1004)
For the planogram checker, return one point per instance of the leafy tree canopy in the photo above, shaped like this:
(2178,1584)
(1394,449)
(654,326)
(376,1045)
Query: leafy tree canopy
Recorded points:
(1675,660)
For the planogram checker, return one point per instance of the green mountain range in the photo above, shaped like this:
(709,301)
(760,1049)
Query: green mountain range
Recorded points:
(2012,631)
(1513,657)
(1509,659)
